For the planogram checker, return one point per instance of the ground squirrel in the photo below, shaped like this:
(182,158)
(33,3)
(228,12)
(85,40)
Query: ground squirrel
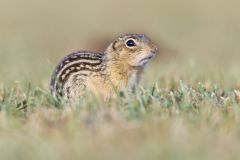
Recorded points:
(118,68)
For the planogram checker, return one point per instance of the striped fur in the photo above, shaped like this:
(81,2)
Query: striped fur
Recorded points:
(74,68)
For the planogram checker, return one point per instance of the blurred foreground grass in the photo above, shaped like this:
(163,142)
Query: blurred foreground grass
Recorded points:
(181,122)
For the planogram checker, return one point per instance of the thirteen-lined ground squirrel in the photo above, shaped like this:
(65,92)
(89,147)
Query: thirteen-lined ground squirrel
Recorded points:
(118,68)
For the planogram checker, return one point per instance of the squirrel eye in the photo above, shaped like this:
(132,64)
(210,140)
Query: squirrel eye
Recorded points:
(130,43)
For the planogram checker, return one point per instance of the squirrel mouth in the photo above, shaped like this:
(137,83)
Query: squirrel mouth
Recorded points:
(146,59)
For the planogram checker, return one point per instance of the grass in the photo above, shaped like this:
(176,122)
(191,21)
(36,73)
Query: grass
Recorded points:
(176,123)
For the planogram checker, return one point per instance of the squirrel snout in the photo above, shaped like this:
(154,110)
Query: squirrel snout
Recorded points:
(153,51)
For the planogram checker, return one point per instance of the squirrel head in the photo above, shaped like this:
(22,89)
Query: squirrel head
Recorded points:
(135,50)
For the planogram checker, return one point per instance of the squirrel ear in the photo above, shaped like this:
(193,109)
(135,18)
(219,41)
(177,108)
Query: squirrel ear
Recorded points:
(114,45)
(117,45)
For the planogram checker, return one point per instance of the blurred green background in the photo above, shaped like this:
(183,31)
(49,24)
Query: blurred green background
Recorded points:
(194,37)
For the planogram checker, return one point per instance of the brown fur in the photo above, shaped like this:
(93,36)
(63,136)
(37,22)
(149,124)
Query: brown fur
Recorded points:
(121,68)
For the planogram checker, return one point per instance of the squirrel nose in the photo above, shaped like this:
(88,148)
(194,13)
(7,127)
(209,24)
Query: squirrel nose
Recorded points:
(154,50)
